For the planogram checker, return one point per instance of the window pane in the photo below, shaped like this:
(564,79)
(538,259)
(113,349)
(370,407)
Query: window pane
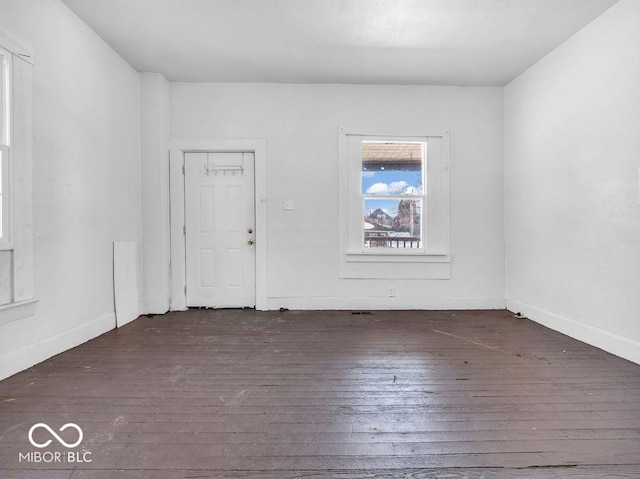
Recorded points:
(392,223)
(4,140)
(3,98)
(392,168)
(2,219)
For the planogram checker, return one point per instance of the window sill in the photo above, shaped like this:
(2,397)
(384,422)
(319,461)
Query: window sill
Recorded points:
(397,257)
(6,245)
(395,266)
(19,310)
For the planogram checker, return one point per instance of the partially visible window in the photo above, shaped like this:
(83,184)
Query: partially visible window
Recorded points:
(16,201)
(5,90)
(393,193)
(5,144)
(4,190)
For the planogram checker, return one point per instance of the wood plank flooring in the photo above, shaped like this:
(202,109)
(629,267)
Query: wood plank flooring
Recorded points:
(412,394)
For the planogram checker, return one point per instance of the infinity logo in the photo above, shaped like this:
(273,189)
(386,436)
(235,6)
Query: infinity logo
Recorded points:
(60,440)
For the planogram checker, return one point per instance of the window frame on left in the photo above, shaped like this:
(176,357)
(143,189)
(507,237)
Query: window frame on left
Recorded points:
(6,173)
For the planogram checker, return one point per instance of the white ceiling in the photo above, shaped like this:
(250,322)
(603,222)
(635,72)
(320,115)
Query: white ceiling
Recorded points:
(458,42)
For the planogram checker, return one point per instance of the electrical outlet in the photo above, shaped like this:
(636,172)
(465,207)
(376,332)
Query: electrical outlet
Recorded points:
(392,292)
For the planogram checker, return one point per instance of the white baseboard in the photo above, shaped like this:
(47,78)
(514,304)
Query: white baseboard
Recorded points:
(613,343)
(331,303)
(25,357)
(154,308)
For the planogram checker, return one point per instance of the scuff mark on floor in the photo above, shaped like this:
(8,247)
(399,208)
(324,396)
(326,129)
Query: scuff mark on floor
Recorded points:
(478,343)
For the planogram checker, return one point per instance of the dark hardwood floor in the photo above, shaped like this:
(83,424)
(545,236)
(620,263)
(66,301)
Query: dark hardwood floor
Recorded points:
(416,394)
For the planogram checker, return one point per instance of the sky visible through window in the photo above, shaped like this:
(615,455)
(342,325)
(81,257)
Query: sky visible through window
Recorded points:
(387,183)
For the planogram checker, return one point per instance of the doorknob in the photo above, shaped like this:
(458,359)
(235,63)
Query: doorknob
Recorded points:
(250,241)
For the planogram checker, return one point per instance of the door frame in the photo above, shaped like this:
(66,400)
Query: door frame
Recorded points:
(177,150)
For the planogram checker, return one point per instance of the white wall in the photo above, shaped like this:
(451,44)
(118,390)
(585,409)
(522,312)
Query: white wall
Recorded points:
(86,179)
(572,153)
(300,124)
(154,149)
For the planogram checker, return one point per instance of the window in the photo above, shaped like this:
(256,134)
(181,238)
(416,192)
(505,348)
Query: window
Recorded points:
(393,193)
(393,204)
(16,170)
(5,151)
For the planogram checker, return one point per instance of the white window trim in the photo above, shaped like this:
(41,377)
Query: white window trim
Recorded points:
(5,136)
(6,242)
(436,229)
(16,46)
(20,174)
(432,262)
(18,310)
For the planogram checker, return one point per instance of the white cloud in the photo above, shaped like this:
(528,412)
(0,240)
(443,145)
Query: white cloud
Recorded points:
(378,188)
(397,187)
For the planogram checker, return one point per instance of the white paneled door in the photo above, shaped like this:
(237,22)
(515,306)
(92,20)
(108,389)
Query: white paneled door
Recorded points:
(220,230)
